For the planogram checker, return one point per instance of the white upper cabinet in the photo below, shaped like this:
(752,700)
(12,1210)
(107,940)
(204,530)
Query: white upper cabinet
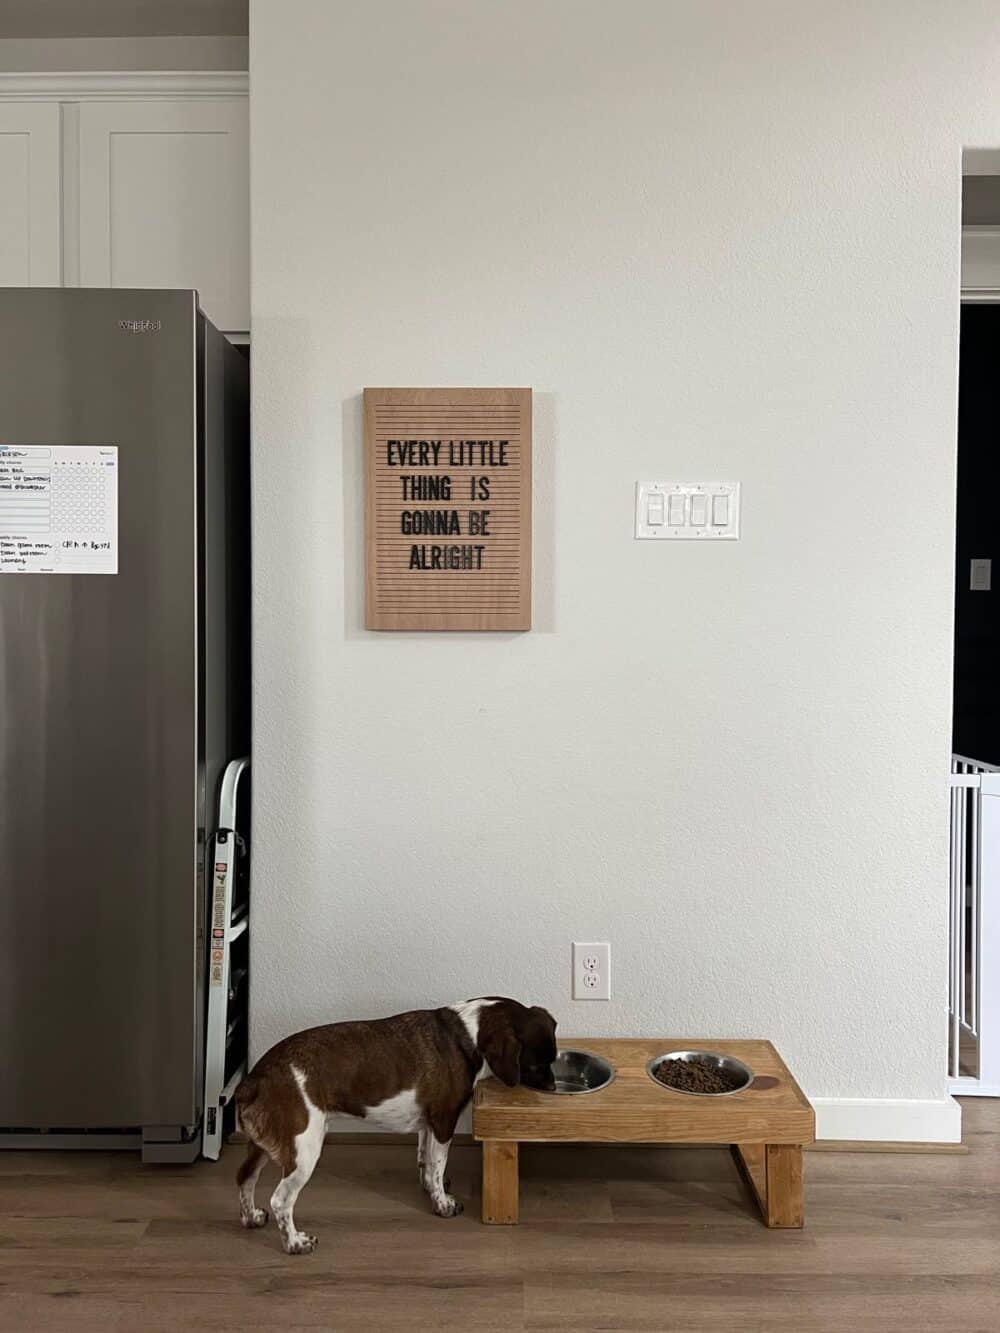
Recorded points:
(128,180)
(30,217)
(164,200)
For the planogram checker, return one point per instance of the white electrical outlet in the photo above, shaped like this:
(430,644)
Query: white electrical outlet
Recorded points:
(591,971)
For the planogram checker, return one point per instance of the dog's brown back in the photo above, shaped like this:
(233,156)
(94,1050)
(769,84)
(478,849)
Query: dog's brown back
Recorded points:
(348,1068)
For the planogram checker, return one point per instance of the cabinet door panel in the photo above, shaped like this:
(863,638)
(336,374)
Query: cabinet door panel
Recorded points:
(30,232)
(164,200)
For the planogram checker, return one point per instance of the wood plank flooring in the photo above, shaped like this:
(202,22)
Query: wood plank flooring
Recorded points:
(610,1239)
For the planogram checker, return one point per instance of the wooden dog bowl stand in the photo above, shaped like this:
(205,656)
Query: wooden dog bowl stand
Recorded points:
(765,1126)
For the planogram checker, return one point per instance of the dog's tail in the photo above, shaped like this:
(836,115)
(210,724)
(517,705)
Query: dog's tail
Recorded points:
(243,1099)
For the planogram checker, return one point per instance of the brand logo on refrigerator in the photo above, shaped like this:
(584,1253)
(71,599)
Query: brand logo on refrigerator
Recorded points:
(140,325)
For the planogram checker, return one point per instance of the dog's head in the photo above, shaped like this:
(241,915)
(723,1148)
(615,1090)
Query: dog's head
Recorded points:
(518,1043)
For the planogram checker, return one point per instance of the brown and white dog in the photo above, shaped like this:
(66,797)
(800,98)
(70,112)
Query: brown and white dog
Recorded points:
(415,1071)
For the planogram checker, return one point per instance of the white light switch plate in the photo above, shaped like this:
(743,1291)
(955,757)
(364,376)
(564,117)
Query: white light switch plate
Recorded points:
(687,510)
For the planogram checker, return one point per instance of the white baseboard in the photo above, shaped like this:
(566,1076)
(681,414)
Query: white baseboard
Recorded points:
(861,1119)
(888,1120)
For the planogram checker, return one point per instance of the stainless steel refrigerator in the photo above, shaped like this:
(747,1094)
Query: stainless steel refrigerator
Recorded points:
(124,681)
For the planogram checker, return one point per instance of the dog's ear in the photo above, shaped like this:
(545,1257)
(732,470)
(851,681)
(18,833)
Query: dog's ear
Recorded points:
(500,1047)
(545,1015)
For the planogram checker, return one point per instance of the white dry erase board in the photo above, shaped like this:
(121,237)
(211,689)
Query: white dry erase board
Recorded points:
(58,509)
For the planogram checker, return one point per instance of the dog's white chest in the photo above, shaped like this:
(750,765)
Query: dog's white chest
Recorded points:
(396,1115)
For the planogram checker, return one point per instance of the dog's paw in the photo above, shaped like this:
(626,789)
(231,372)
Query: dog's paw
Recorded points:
(448,1206)
(301,1243)
(256,1217)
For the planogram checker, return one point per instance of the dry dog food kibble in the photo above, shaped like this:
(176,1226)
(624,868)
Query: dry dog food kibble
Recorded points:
(696,1076)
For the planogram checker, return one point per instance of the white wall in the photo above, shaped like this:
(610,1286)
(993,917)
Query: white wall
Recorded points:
(115,18)
(720,241)
(34,55)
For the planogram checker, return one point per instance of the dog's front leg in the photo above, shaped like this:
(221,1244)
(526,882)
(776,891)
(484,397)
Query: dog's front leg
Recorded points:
(422,1152)
(422,1176)
(444,1204)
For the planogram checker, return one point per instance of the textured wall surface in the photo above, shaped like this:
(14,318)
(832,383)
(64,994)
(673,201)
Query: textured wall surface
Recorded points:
(720,241)
(34,55)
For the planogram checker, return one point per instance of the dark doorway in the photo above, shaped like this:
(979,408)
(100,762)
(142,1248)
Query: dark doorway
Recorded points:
(976,728)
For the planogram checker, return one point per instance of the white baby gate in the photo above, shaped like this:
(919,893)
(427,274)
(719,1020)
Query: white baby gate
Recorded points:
(974,930)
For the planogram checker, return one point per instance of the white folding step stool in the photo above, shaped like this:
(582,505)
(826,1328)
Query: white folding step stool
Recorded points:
(225,1064)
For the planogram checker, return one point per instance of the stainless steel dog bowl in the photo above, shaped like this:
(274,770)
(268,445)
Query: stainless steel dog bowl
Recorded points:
(728,1063)
(579,1071)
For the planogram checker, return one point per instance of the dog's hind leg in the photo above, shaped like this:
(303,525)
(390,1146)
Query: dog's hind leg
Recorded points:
(297,1166)
(246,1179)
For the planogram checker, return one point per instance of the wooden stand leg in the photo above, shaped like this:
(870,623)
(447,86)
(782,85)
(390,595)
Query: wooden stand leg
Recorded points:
(500,1185)
(774,1173)
(784,1185)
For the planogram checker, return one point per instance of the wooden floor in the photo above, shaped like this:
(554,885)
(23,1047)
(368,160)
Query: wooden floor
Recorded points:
(610,1238)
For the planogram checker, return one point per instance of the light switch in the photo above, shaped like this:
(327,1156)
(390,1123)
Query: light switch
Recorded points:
(687,510)
(980,575)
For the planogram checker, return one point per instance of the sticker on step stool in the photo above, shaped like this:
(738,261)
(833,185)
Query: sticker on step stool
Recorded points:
(218,921)
(58,509)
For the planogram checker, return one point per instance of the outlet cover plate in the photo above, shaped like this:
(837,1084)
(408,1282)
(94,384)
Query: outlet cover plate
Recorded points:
(591,971)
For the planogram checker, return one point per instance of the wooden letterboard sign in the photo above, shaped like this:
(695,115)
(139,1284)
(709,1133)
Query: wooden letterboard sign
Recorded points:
(448,512)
